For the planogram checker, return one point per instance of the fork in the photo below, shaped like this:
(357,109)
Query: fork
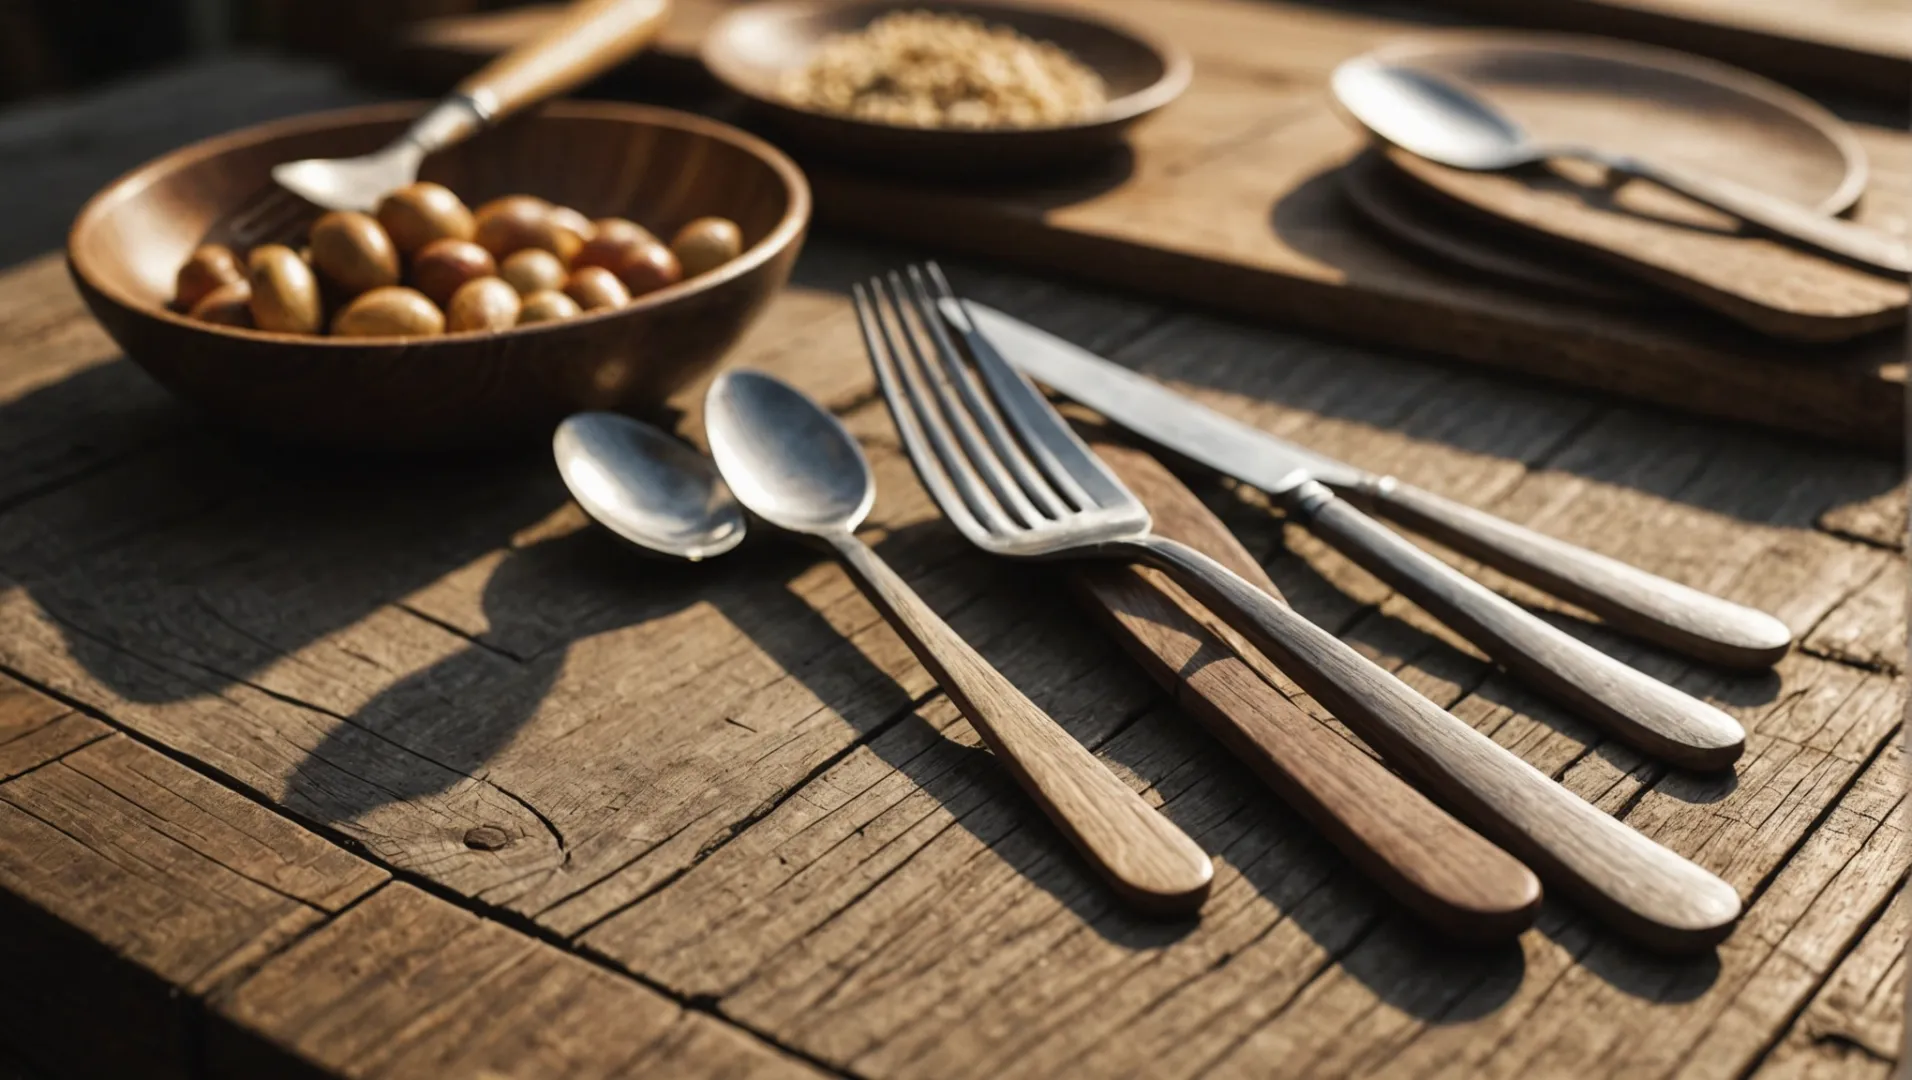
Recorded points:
(588,38)
(1016,481)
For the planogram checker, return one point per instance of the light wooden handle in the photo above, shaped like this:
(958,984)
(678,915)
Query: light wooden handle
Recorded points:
(1645,605)
(1643,889)
(1151,863)
(587,39)
(1644,711)
(1846,239)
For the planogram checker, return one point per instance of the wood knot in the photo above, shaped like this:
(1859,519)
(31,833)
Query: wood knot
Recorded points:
(486,838)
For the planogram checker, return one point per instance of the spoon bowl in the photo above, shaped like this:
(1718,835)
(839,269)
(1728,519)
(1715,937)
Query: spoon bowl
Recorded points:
(787,460)
(647,487)
(1431,117)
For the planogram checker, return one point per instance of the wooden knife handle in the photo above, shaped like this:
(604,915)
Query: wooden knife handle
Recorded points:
(582,42)
(1434,865)
(1630,599)
(1662,720)
(1640,887)
(1150,862)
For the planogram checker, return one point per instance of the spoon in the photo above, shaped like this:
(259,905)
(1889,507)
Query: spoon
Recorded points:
(796,467)
(1444,123)
(647,487)
(584,41)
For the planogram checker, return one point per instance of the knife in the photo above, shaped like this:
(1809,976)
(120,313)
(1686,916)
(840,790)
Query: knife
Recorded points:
(1656,717)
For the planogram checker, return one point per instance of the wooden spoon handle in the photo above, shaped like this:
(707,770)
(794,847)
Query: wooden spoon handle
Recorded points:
(582,42)
(1437,867)
(1665,612)
(1151,863)
(1643,889)
(1870,247)
(1644,711)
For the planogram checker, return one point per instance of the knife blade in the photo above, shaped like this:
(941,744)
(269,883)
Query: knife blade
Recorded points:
(1629,599)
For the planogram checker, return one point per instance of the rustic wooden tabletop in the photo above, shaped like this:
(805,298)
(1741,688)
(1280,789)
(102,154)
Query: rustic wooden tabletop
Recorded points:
(388,769)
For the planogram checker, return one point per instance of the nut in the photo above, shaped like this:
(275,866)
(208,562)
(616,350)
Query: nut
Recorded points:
(351,251)
(487,303)
(285,295)
(418,214)
(391,311)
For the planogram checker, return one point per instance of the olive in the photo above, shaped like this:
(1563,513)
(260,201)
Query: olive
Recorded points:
(512,223)
(351,251)
(442,266)
(389,311)
(485,303)
(532,270)
(547,306)
(211,267)
(706,244)
(285,295)
(594,287)
(228,305)
(573,222)
(654,268)
(614,244)
(417,214)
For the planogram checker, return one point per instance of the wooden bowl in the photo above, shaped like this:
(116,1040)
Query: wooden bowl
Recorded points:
(658,167)
(752,49)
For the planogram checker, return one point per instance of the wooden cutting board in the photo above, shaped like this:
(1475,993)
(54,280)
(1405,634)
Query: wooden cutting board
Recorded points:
(1231,199)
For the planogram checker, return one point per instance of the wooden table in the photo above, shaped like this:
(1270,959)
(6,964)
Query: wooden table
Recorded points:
(396,769)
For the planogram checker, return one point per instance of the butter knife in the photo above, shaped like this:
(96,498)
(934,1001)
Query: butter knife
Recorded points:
(1658,718)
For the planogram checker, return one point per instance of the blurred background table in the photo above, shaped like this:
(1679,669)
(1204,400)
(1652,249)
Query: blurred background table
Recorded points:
(394,769)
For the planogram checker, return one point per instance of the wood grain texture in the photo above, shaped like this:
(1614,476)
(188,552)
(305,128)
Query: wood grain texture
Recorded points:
(574,46)
(1230,200)
(1775,286)
(1853,46)
(1645,712)
(1855,1026)
(1667,613)
(657,166)
(1442,870)
(133,885)
(408,985)
(1149,861)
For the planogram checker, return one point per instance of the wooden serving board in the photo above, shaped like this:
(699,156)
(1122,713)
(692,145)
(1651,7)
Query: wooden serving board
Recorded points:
(1231,199)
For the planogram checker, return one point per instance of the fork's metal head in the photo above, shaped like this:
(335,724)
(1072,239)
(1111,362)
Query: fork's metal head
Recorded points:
(351,183)
(272,215)
(998,459)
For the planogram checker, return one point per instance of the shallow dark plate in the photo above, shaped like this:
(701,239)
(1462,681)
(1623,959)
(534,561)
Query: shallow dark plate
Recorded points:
(752,49)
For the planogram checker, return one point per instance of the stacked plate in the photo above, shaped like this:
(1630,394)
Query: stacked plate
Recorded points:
(1585,232)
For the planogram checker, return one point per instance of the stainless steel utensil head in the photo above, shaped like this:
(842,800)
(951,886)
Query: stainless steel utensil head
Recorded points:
(1001,463)
(1429,116)
(784,457)
(646,486)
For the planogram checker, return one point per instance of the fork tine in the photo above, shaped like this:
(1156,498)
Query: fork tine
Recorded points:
(981,412)
(925,438)
(985,460)
(1063,456)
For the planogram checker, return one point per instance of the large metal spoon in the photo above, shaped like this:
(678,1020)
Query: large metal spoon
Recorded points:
(794,466)
(647,487)
(1444,123)
(583,41)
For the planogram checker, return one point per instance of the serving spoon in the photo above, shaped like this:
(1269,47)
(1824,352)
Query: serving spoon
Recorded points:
(584,41)
(1443,122)
(647,487)
(793,465)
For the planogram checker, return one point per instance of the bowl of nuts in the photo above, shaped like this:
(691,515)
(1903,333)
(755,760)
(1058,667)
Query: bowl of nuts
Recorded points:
(944,87)
(589,255)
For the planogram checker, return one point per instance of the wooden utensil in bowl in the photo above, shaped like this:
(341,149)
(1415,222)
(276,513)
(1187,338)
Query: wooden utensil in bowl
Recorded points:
(658,167)
(752,49)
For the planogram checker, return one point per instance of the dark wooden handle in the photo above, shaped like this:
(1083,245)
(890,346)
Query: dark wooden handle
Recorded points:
(1642,710)
(1437,867)
(1153,864)
(586,39)
(1643,889)
(1645,605)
